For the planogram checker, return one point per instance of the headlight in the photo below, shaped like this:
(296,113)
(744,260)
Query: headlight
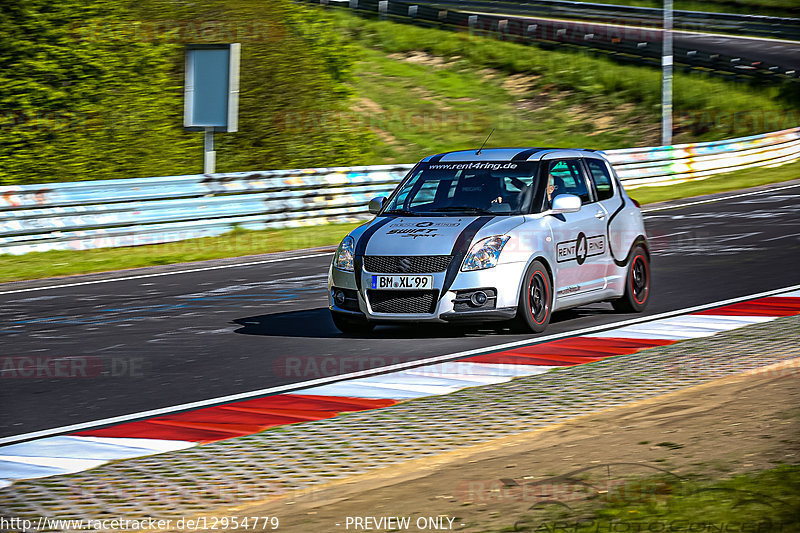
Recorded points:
(485,253)
(343,259)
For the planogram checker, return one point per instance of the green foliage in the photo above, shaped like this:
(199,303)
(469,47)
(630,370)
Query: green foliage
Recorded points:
(765,500)
(71,107)
(426,106)
(94,89)
(711,107)
(294,87)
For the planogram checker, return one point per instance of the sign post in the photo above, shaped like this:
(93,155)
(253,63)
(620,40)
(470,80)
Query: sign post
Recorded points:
(666,77)
(211,94)
(209,156)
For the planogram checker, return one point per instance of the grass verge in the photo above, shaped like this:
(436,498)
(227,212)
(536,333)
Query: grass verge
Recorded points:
(418,104)
(421,88)
(765,501)
(233,244)
(730,181)
(241,242)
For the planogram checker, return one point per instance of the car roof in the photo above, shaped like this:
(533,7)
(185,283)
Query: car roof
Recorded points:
(511,154)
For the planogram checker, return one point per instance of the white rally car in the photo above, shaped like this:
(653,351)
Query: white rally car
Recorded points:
(493,235)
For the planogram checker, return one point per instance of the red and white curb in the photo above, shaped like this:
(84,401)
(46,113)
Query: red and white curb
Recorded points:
(91,447)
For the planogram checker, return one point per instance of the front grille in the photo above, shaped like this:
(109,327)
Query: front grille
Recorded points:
(423,302)
(406,264)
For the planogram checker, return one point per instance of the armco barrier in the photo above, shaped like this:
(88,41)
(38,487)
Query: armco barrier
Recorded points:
(130,212)
(785,28)
(639,45)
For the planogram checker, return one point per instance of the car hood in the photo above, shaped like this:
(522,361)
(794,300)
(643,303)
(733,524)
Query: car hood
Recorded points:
(428,235)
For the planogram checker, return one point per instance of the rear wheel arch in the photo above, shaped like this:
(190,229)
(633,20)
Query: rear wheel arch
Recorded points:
(640,240)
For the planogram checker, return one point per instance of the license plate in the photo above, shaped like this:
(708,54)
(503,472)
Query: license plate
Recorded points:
(402,282)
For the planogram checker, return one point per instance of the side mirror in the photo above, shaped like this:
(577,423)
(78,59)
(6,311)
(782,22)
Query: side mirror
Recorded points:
(376,204)
(566,203)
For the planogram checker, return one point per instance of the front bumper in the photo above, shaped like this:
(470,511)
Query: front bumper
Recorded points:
(504,278)
(480,315)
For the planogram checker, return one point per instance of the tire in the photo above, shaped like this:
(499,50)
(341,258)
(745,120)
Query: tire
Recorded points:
(535,299)
(347,324)
(637,284)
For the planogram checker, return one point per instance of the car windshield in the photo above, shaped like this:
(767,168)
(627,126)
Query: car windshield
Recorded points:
(491,187)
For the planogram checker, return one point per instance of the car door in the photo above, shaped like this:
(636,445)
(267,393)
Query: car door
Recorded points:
(581,247)
(609,198)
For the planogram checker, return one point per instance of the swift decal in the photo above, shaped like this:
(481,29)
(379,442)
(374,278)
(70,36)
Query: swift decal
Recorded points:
(419,229)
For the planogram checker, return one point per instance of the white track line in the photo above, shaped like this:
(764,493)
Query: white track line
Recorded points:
(188,271)
(710,200)
(323,254)
(374,371)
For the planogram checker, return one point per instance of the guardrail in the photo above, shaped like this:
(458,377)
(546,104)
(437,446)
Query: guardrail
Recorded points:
(640,45)
(703,21)
(131,212)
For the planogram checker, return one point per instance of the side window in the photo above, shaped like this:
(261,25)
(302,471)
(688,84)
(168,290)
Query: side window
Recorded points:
(601,177)
(566,177)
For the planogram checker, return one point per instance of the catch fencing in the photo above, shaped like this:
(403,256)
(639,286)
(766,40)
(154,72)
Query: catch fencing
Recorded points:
(131,212)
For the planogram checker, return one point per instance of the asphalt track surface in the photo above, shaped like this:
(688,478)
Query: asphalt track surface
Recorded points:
(164,340)
(769,51)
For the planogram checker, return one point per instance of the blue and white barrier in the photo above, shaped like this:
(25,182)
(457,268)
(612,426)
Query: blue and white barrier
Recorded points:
(131,212)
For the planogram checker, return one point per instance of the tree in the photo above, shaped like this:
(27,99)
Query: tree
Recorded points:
(94,89)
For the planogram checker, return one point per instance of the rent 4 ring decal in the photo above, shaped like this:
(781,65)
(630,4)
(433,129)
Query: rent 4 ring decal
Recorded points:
(580,248)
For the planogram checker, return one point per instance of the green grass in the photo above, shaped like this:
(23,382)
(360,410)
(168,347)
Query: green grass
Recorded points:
(418,109)
(241,243)
(729,181)
(424,90)
(765,501)
(233,244)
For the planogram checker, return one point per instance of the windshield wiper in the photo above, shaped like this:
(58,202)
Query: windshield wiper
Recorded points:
(399,212)
(462,208)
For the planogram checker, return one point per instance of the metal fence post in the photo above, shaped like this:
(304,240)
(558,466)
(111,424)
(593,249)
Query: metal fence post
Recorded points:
(666,77)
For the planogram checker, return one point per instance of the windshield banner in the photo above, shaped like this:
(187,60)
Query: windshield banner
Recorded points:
(475,165)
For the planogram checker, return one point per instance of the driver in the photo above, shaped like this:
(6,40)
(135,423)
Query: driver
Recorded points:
(551,188)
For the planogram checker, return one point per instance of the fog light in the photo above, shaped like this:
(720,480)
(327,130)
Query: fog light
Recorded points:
(478,298)
(338,298)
